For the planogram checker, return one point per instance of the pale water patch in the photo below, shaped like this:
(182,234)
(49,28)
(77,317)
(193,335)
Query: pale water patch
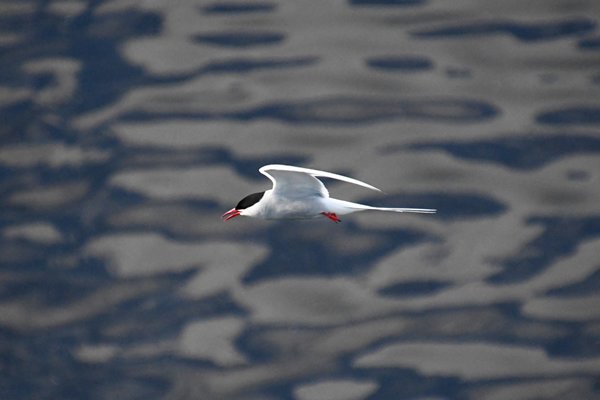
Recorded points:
(67,8)
(53,155)
(10,95)
(336,390)
(575,308)
(215,183)
(96,353)
(145,254)
(212,340)
(50,197)
(40,232)
(311,301)
(474,361)
(551,389)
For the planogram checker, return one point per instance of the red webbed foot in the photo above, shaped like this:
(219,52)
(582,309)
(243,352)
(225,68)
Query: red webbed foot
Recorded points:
(331,216)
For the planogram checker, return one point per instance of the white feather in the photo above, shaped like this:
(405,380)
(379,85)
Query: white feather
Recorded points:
(292,179)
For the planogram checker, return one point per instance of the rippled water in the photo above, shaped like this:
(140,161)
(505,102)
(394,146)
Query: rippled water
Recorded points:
(128,127)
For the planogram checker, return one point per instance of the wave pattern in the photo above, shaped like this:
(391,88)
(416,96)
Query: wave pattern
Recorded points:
(129,127)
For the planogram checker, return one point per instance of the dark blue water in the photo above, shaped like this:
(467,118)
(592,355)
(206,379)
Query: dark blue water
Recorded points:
(128,129)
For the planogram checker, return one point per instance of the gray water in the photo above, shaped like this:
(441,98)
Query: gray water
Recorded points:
(129,127)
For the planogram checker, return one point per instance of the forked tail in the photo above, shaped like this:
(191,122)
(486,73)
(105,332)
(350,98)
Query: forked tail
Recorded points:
(403,210)
(342,207)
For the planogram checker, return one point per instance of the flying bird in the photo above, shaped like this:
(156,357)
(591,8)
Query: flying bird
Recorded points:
(298,194)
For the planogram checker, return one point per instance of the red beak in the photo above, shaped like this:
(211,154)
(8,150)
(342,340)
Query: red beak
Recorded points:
(230,214)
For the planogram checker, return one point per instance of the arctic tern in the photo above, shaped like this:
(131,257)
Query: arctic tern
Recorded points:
(298,194)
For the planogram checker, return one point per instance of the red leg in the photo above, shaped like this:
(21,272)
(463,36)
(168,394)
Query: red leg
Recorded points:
(331,216)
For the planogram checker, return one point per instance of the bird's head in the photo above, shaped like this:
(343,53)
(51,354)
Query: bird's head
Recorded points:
(243,205)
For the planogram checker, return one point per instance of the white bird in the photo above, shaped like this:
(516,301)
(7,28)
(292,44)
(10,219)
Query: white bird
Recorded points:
(298,194)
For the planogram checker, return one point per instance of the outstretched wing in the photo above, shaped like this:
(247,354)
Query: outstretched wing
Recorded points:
(293,181)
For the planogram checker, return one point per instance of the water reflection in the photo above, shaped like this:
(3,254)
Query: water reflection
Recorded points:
(128,128)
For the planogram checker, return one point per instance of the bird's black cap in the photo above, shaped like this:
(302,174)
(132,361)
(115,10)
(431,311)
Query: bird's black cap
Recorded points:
(249,200)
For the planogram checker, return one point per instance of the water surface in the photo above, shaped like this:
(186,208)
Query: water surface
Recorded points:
(128,128)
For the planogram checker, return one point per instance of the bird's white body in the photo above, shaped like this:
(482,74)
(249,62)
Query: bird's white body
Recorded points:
(298,194)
